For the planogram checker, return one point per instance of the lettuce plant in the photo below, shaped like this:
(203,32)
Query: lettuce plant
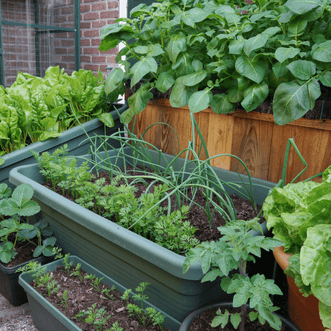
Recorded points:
(219,53)
(300,216)
(35,109)
(232,252)
(16,206)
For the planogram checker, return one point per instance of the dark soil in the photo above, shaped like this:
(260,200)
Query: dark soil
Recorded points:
(81,295)
(24,251)
(203,321)
(197,217)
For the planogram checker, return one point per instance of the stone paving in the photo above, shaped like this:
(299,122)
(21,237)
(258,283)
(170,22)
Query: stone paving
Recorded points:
(15,318)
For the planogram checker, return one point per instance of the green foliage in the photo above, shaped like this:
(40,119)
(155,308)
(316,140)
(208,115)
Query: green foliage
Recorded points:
(64,298)
(16,206)
(95,281)
(189,48)
(233,250)
(67,265)
(147,316)
(35,109)
(300,214)
(77,272)
(94,316)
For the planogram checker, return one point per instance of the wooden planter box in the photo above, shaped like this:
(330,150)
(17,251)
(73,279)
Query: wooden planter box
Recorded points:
(254,137)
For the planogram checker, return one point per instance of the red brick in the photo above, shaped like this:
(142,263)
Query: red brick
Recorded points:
(113,4)
(99,6)
(91,51)
(92,33)
(98,24)
(60,19)
(85,8)
(67,10)
(85,58)
(95,42)
(110,21)
(91,16)
(69,58)
(85,25)
(109,14)
(98,59)
(93,67)
(91,1)
(67,42)
(86,42)
(61,51)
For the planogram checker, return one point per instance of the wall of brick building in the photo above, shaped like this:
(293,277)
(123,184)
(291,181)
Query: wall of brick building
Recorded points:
(55,48)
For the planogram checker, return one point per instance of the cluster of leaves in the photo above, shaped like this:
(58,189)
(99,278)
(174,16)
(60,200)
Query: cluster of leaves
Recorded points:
(93,315)
(246,52)
(300,216)
(118,202)
(232,252)
(35,109)
(12,208)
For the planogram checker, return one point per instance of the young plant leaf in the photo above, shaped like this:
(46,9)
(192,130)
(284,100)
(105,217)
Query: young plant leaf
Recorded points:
(250,69)
(142,68)
(199,101)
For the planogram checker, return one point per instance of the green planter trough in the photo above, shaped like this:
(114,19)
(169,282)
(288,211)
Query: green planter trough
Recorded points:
(47,317)
(75,138)
(126,256)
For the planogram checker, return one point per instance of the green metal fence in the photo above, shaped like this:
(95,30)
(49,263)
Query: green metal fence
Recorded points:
(32,33)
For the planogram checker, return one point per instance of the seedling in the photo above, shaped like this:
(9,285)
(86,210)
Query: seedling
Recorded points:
(108,293)
(67,265)
(95,281)
(94,316)
(147,316)
(77,272)
(115,327)
(52,287)
(232,252)
(64,298)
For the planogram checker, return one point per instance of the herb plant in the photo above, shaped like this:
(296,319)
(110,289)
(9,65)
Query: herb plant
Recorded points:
(218,54)
(299,215)
(232,252)
(94,316)
(15,207)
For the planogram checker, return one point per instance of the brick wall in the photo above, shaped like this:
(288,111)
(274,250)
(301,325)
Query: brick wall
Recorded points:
(94,15)
(55,48)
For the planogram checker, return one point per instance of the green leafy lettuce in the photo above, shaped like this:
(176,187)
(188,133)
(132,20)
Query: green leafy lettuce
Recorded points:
(35,109)
(300,215)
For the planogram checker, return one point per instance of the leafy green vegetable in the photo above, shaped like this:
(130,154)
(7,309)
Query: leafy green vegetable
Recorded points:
(36,109)
(300,215)
(20,204)
(275,49)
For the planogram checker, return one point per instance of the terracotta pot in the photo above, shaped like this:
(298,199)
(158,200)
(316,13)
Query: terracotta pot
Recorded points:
(303,311)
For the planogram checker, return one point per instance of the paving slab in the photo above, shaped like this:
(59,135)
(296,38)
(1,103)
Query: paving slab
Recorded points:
(15,318)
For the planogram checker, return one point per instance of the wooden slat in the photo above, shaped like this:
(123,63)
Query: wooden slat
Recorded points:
(252,136)
(252,143)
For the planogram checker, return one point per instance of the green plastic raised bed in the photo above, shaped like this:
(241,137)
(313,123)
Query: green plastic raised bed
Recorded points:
(46,317)
(126,256)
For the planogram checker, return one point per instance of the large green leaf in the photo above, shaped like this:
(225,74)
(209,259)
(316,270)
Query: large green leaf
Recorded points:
(291,101)
(141,68)
(107,119)
(254,96)
(302,69)
(179,95)
(199,101)
(250,69)
(236,46)
(325,78)
(221,105)
(165,81)
(193,16)
(183,66)
(195,78)
(255,43)
(325,314)
(302,6)
(114,80)
(235,95)
(284,53)
(297,27)
(176,44)
(323,52)
(138,101)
